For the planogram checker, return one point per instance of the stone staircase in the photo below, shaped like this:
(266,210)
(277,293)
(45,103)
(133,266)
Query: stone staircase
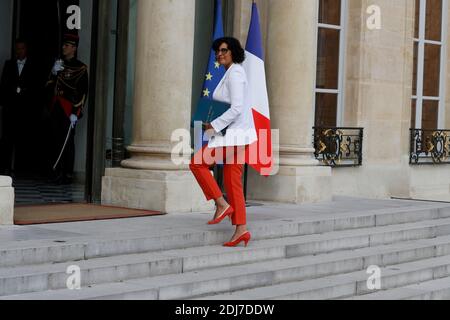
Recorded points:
(323,256)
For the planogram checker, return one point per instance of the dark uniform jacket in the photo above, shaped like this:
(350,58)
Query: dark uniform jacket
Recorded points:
(70,87)
(14,87)
(19,108)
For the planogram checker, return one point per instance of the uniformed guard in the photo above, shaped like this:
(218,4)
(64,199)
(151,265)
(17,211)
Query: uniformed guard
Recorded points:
(69,86)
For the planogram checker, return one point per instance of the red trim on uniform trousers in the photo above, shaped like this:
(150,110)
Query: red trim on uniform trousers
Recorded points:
(65,104)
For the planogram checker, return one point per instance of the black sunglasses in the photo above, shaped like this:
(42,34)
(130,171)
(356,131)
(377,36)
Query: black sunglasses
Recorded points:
(222,51)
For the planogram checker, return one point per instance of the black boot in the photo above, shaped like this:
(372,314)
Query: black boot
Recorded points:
(56,178)
(67,179)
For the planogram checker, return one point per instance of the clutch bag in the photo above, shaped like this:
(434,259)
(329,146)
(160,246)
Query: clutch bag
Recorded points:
(209,110)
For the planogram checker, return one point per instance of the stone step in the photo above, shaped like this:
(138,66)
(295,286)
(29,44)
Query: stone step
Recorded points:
(226,279)
(207,257)
(437,289)
(330,287)
(199,258)
(74,249)
(354,285)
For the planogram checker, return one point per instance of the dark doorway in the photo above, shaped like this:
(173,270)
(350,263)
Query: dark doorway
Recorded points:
(41,24)
(37,24)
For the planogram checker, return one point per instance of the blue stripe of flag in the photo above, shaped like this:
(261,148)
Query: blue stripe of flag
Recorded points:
(254,41)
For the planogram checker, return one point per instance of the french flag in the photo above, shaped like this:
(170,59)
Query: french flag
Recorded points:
(262,161)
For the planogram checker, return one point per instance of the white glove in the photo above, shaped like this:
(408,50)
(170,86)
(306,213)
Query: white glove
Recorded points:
(57,67)
(73,120)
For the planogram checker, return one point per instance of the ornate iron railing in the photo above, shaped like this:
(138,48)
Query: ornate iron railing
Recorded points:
(429,147)
(339,147)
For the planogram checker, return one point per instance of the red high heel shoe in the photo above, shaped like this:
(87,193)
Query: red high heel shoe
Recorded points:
(244,238)
(227,213)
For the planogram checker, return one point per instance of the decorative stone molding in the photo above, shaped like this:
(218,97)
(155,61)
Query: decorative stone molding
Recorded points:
(6,201)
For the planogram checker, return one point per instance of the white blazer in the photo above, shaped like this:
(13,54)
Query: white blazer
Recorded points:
(238,120)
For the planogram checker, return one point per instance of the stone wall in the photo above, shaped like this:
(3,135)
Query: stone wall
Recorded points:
(6,201)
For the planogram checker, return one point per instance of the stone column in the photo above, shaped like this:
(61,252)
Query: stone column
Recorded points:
(242,17)
(379,71)
(6,201)
(162,102)
(291,56)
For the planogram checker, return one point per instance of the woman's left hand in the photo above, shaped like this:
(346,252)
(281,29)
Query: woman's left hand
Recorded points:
(207,126)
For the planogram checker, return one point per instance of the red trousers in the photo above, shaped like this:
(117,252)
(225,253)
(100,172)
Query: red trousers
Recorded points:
(233,160)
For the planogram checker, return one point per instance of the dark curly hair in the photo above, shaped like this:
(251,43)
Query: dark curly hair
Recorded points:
(237,53)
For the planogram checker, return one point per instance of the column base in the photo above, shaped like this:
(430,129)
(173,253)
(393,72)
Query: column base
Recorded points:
(307,184)
(164,191)
(429,182)
(6,201)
